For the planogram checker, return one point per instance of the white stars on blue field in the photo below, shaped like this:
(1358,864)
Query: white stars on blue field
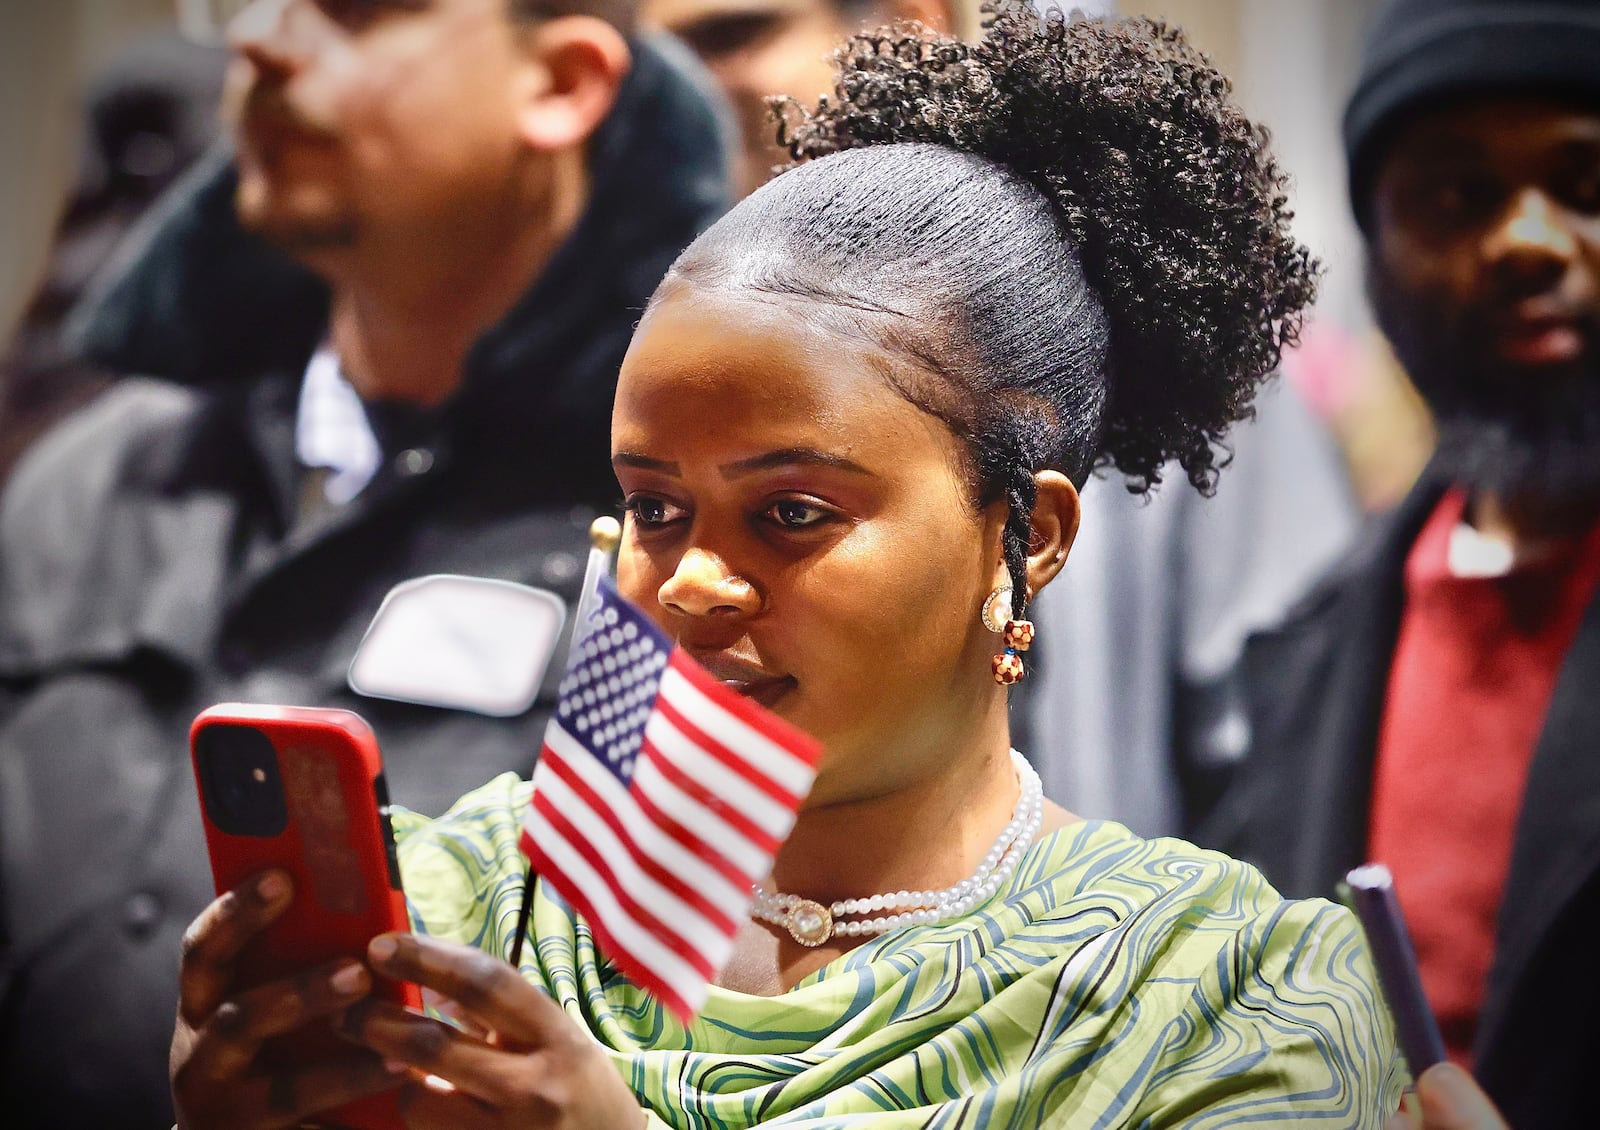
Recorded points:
(611,682)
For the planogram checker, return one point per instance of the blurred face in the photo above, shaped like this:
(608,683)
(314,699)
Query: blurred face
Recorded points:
(356,116)
(1486,276)
(758,48)
(805,532)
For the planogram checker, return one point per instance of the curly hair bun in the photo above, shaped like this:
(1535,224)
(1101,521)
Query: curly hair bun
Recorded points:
(1167,192)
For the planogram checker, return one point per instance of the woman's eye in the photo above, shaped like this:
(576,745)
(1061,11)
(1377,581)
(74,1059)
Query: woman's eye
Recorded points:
(794,514)
(649,511)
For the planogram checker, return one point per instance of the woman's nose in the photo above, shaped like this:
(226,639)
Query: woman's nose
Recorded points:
(702,585)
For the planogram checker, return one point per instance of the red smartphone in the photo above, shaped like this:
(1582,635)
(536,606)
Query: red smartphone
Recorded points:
(302,789)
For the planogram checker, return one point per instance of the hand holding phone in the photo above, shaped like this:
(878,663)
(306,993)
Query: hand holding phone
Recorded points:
(301,791)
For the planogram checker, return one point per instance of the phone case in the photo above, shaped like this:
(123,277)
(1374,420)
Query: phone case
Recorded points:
(328,828)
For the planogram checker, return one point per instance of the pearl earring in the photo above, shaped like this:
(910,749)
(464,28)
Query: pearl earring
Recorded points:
(997,609)
(1017,634)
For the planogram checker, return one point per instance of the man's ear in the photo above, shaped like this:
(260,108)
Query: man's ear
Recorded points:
(1056,510)
(575,69)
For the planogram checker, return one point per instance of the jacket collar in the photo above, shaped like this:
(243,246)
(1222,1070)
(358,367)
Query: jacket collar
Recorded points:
(1303,801)
(1555,856)
(1316,685)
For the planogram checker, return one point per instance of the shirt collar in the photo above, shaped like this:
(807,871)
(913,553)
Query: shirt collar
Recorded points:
(332,430)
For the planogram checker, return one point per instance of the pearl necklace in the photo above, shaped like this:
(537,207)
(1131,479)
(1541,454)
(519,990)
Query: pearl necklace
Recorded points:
(810,923)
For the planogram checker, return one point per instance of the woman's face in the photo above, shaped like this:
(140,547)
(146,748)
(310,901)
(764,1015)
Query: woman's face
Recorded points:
(806,532)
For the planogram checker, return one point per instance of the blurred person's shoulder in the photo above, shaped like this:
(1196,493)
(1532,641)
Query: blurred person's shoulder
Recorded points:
(64,484)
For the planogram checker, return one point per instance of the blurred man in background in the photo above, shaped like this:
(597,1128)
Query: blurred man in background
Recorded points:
(757,49)
(1434,706)
(389,327)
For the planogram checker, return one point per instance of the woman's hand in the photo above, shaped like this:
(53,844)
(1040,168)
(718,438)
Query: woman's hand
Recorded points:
(1450,1100)
(217,1079)
(521,1062)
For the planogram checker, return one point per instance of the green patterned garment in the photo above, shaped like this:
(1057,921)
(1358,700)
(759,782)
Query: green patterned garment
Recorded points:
(1116,981)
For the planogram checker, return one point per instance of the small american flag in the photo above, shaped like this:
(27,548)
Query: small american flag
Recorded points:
(659,798)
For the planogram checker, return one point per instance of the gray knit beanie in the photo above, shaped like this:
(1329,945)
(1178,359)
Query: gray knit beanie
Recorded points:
(1422,52)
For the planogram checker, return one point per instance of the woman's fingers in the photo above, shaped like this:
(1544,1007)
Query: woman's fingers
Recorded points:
(291,1097)
(476,1069)
(487,988)
(437,1002)
(218,1079)
(1452,1101)
(239,1026)
(434,1105)
(218,1074)
(213,941)
(536,1068)
(1447,1098)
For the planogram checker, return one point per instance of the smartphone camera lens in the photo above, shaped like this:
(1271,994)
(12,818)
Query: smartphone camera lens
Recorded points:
(239,780)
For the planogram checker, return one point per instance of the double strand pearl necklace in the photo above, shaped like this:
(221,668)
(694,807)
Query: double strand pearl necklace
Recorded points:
(810,923)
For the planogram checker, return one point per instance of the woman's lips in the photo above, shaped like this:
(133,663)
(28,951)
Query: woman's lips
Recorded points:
(768,692)
(747,679)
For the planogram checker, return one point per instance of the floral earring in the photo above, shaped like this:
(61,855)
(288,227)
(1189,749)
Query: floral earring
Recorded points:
(1017,634)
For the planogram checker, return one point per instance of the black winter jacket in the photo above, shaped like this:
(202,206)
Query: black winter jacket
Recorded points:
(1300,805)
(149,568)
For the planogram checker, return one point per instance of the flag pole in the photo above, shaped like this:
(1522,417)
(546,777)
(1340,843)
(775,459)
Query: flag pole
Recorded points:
(605,534)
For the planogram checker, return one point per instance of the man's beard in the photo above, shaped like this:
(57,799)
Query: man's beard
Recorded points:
(293,227)
(1514,431)
(296,216)
(297,237)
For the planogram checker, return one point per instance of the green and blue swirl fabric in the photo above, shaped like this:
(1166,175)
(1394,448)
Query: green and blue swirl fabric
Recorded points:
(1116,982)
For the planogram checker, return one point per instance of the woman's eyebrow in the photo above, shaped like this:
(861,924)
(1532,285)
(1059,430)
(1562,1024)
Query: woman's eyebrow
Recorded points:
(792,457)
(767,461)
(644,462)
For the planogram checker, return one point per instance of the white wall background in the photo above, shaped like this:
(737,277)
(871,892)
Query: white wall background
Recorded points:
(1292,62)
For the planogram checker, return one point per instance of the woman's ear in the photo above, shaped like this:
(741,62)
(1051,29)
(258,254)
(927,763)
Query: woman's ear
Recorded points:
(575,67)
(1054,521)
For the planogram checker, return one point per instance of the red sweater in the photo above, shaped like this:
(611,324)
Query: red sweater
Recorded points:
(1474,669)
